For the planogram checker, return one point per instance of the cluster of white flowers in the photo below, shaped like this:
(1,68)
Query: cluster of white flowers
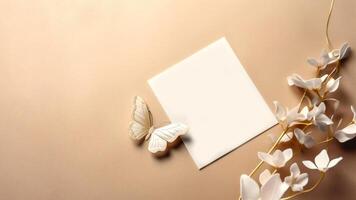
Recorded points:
(295,122)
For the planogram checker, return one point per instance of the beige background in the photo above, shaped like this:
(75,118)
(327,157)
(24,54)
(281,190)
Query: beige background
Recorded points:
(69,71)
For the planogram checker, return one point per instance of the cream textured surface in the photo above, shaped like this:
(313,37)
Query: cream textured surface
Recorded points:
(69,71)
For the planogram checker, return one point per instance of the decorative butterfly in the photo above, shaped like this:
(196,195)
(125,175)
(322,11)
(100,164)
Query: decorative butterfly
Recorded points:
(142,126)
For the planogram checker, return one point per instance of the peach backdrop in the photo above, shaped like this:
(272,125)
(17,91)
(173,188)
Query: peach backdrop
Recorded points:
(69,71)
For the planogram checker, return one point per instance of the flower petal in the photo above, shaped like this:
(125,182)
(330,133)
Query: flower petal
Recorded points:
(350,129)
(249,189)
(323,78)
(333,85)
(289,180)
(302,180)
(325,59)
(320,109)
(265,176)
(309,164)
(299,134)
(296,188)
(343,137)
(266,158)
(273,189)
(323,119)
(293,115)
(294,169)
(314,83)
(278,159)
(313,62)
(295,79)
(334,162)
(280,112)
(354,114)
(316,111)
(344,50)
(288,154)
(322,160)
(303,138)
(304,112)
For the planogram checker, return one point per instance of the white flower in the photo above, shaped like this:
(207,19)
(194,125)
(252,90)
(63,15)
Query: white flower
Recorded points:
(286,117)
(332,85)
(281,112)
(315,83)
(339,54)
(273,189)
(303,138)
(349,132)
(311,84)
(295,116)
(346,134)
(278,159)
(318,117)
(296,180)
(327,58)
(322,63)
(322,162)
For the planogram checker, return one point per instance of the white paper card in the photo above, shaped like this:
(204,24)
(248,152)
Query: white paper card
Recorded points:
(211,92)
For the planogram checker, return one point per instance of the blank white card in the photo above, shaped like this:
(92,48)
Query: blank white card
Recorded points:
(211,92)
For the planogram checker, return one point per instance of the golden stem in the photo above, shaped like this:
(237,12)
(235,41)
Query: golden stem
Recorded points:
(327,26)
(274,171)
(326,141)
(322,175)
(331,73)
(303,123)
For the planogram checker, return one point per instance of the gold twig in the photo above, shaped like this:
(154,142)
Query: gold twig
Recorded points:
(327,26)
(326,141)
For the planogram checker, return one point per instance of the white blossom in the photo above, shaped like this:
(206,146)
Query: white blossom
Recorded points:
(318,117)
(332,85)
(310,84)
(322,162)
(278,159)
(322,62)
(296,180)
(272,189)
(287,117)
(303,138)
(328,58)
(349,132)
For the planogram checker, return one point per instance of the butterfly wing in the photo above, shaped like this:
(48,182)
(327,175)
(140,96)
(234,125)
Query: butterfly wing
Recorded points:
(141,119)
(169,133)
